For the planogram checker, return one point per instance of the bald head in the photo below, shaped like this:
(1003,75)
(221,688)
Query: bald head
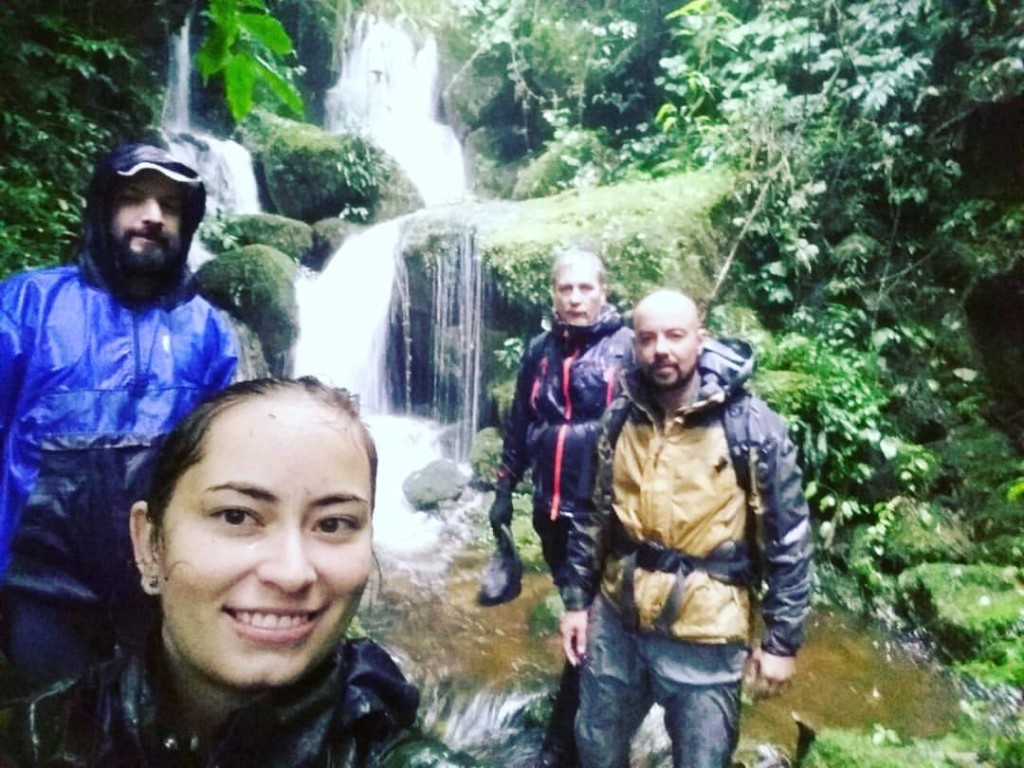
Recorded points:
(671,302)
(669,339)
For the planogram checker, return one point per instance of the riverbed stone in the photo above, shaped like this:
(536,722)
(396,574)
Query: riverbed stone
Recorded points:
(438,482)
(292,237)
(975,613)
(255,284)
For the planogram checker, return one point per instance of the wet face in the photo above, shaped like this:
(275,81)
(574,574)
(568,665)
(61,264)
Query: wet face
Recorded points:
(146,228)
(578,293)
(668,340)
(264,548)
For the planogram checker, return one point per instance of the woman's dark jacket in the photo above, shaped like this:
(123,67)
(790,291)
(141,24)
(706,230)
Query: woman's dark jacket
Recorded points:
(567,377)
(354,711)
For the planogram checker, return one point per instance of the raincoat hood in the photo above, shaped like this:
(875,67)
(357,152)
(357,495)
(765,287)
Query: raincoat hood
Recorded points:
(97,253)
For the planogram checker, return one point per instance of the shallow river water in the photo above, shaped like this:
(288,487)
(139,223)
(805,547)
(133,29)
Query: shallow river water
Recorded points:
(480,669)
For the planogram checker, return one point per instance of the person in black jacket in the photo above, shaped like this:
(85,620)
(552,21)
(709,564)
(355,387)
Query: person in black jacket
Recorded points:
(566,379)
(256,537)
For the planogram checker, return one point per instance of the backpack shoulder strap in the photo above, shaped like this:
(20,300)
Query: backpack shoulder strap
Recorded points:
(744,434)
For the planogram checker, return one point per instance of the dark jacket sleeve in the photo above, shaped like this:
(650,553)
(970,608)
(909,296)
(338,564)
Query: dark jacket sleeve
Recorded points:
(589,532)
(786,556)
(515,458)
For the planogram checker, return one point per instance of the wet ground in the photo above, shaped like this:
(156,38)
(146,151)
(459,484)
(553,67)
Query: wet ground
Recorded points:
(479,669)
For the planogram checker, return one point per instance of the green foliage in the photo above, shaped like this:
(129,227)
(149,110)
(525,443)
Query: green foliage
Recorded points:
(244,46)
(66,98)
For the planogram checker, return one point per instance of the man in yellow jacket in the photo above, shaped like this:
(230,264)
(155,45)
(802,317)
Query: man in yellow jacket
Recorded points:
(698,506)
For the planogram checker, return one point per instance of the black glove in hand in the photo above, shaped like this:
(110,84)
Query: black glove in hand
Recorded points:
(501,509)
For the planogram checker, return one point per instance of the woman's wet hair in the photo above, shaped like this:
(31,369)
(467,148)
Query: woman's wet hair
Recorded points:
(183,447)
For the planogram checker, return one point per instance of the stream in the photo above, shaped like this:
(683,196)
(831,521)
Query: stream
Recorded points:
(480,669)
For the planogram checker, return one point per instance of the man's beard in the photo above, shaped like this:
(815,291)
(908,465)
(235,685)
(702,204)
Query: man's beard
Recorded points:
(679,382)
(157,258)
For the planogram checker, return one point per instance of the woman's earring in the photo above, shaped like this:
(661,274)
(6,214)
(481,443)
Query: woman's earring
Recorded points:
(151,584)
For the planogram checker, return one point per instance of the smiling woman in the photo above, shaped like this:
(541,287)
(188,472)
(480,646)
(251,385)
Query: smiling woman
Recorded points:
(257,539)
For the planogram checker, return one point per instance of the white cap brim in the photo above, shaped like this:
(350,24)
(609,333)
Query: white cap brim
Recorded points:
(170,174)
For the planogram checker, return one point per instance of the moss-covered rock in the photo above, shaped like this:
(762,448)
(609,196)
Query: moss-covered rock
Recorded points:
(485,456)
(652,234)
(884,749)
(924,533)
(974,612)
(580,159)
(293,238)
(255,284)
(310,174)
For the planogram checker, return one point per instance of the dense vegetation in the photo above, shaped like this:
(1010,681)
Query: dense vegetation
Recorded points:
(878,152)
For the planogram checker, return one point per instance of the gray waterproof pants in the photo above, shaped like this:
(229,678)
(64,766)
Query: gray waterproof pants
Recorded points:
(624,673)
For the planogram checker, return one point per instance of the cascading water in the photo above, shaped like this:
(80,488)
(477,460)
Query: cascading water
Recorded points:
(457,324)
(388,90)
(226,166)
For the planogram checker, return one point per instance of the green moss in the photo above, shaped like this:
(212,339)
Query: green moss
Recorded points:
(975,613)
(485,455)
(652,233)
(293,238)
(255,284)
(311,174)
(884,749)
(544,618)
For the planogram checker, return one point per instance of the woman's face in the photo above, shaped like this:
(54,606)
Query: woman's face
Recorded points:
(265,546)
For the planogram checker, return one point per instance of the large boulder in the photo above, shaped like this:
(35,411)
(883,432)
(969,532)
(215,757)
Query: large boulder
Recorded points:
(438,482)
(256,285)
(292,237)
(310,174)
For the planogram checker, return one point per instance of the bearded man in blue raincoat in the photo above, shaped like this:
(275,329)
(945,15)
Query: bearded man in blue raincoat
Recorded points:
(99,359)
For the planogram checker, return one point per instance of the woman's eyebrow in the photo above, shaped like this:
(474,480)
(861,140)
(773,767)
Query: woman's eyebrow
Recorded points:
(253,491)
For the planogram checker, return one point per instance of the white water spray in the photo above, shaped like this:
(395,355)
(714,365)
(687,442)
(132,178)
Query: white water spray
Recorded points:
(388,90)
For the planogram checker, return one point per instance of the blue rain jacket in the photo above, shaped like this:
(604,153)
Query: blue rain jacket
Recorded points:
(89,385)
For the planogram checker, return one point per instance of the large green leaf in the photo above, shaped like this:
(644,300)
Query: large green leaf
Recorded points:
(239,81)
(267,30)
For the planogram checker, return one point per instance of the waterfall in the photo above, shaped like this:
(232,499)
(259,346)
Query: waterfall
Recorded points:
(344,312)
(226,166)
(457,326)
(387,90)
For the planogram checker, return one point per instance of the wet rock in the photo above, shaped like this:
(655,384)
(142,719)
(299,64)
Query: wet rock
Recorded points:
(255,285)
(293,238)
(439,481)
(328,235)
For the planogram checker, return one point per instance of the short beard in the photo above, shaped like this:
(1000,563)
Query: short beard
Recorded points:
(160,266)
